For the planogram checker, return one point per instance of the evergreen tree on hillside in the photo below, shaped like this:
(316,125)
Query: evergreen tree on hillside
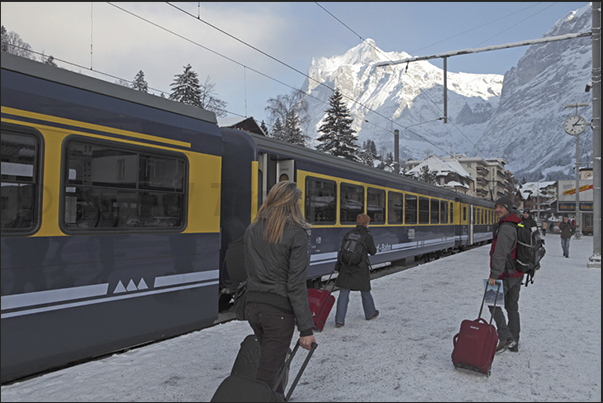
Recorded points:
(185,88)
(139,82)
(337,135)
(427,176)
(277,130)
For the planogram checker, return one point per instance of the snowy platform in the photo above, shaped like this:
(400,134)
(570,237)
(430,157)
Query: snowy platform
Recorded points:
(403,355)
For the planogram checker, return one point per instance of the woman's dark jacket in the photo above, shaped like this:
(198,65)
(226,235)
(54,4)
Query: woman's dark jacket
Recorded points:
(277,272)
(356,277)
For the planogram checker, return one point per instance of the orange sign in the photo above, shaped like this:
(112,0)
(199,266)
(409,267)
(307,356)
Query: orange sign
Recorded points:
(572,191)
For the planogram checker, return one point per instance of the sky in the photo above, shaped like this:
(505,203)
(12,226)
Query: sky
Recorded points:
(402,355)
(255,51)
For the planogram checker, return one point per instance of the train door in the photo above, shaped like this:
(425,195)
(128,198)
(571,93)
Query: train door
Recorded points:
(272,170)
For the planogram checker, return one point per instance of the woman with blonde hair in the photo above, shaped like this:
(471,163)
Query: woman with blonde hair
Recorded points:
(276,260)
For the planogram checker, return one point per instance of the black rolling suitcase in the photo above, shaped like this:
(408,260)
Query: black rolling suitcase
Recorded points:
(241,385)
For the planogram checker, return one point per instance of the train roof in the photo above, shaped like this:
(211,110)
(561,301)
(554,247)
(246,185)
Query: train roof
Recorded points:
(76,80)
(298,152)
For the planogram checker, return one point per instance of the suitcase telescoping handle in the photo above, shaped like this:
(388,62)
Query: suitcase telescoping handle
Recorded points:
(484,299)
(281,377)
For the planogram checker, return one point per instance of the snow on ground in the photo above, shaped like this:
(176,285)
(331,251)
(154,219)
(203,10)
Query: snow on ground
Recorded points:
(403,355)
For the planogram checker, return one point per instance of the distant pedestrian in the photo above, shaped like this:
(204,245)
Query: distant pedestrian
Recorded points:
(277,260)
(545,226)
(567,230)
(502,256)
(356,277)
(528,221)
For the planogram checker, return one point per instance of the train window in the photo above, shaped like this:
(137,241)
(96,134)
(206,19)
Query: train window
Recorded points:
(376,205)
(108,187)
(423,210)
(435,211)
(352,203)
(20,181)
(395,208)
(464,213)
(321,201)
(410,210)
(444,212)
(451,213)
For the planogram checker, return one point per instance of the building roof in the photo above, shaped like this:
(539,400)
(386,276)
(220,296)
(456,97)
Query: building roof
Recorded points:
(441,167)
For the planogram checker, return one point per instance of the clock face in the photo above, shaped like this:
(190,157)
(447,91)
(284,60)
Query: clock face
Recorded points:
(574,125)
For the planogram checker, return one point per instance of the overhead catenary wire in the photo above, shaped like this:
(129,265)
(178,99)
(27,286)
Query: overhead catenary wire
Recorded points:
(298,71)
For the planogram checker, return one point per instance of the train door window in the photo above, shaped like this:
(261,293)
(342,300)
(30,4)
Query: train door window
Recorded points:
(423,210)
(21,187)
(451,213)
(375,200)
(444,212)
(395,208)
(464,213)
(108,186)
(321,201)
(410,209)
(352,203)
(435,211)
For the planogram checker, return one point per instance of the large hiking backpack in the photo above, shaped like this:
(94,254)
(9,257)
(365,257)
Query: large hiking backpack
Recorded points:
(530,250)
(352,249)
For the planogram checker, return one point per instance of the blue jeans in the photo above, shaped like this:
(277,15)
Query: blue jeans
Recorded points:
(565,242)
(368,304)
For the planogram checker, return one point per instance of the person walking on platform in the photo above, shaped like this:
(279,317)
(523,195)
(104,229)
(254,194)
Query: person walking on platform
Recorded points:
(502,256)
(356,277)
(277,260)
(528,221)
(545,226)
(567,230)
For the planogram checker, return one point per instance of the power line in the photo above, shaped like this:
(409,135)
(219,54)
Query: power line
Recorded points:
(296,70)
(426,94)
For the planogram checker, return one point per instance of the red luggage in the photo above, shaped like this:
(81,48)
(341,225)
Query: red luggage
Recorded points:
(321,302)
(475,344)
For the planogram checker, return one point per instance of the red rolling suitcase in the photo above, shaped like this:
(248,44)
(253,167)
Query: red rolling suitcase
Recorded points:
(321,302)
(475,344)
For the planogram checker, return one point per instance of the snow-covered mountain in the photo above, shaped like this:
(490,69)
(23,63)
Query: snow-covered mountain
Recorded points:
(487,116)
(526,129)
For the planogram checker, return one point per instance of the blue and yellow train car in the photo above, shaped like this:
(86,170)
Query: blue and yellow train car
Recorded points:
(110,217)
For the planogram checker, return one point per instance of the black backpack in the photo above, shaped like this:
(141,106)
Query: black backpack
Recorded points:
(530,250)
(352,249)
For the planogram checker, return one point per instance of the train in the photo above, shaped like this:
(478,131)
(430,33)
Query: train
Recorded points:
(118,207)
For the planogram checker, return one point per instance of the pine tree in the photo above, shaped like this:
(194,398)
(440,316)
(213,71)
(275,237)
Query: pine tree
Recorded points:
(338,137)
(427,176)
(185,88)
(264,128)
(139,82)
(13,44)
(277,130)
(292,132)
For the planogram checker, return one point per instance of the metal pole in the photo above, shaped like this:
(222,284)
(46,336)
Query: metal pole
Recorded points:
(595,259)
(397,151)
(577,210)
(445,90)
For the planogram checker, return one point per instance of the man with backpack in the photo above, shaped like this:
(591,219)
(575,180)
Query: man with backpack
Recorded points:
(502,266)
(353,268)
